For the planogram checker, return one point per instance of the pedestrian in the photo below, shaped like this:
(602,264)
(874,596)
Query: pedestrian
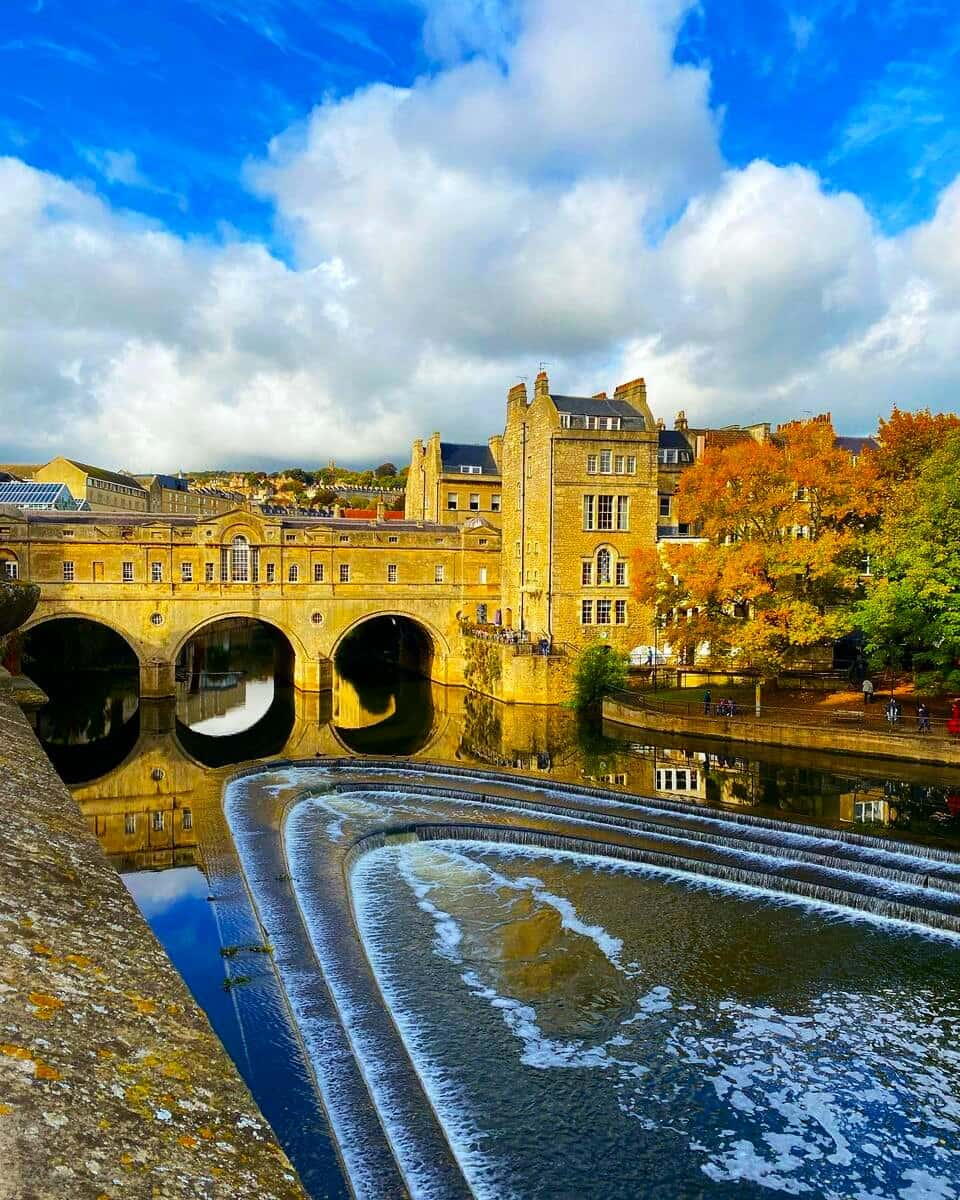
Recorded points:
(649,658)
(893,711)
(706,703)
(923,718)
(867,691)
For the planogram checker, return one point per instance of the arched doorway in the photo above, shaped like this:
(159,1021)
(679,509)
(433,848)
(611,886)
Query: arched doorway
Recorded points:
(382,698)
(92,678)
(234,680)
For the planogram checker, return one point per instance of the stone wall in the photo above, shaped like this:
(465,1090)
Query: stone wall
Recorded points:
(112,1081)
(769,733)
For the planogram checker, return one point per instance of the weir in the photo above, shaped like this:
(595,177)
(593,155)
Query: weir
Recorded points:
(302,829)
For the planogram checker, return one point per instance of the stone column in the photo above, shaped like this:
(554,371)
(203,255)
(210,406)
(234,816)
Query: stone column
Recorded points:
(157,678)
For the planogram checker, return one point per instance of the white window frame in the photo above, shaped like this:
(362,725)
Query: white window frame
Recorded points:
(495,502)
(156,571)
(186,572)
(604,612)
(586,612)
(453,501)
(69,571)
(343,573)
(293,573)
(318,572)
(393,573)
(438,573)
(126,572)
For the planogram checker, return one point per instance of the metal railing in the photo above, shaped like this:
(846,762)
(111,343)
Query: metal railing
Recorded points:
(866,718)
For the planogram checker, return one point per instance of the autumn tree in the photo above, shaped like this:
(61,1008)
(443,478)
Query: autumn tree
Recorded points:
(776,567)
(906,442)
(911,613)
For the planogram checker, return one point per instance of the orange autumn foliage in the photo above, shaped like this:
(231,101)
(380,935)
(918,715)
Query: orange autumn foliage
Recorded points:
(777,564)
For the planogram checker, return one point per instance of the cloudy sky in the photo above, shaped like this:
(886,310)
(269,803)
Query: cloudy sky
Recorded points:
(238,232)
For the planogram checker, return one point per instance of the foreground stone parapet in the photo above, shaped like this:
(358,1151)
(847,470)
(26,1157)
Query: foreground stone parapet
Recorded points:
(112,1082)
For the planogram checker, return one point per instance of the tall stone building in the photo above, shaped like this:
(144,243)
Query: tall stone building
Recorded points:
(576,492)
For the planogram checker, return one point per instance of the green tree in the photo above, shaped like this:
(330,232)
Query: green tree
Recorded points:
(385,469)
(911,613)
(599,670)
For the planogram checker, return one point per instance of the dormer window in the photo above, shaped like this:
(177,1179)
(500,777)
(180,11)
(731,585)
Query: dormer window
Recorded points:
(470,469)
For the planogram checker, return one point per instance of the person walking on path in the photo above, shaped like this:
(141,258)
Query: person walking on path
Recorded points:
(893,711)
(923,718)
(868,691)
(706,703)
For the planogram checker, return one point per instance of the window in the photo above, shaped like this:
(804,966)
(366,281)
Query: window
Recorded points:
(664,506)
(474,501)
(481,614)
(483,574)
(618,464)
(586,612)
(186,818)
(621,573)
(466,469)
(158,822)
(11,568)
(208,570)
(604,608)
(603,566)
(631,464)
(453,501)
(344,539)
(126,572)
(606,462)
(495,502)
(620,612)
(604,512)
(156,572)
(271,572)
(318,572)
(586,573)
(129,822)
(391,572)
(393,539)
(240,559)
(68,572)
(438,573)
(186,572)
(591,464)
(156,618)
(344,572)
(481,541)
(293,573)
(623,512)
(588,511)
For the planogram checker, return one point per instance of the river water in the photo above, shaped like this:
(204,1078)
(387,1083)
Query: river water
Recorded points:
(587,1029)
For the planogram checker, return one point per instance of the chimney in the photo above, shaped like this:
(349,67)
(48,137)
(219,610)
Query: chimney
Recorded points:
(599,396)
(517,394)
(496,447)
(542,385)
(634,392)
(681,422)
(660,424)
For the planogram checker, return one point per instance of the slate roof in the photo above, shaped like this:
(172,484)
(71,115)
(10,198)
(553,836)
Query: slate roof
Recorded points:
(672,439)
(593,406)
(454,455)
(107,476)
(855,445)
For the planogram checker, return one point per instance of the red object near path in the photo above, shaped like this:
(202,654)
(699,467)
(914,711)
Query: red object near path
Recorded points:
(953,724)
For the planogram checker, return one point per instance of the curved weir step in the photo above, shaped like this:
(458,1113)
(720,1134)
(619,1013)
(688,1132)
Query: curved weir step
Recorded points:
(684,810)
(297,863)
(897,894)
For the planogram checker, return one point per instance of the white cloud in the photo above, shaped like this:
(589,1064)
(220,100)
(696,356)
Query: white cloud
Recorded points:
(555,191)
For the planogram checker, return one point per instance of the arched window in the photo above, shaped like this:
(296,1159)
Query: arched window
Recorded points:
(240,560)
(603,565)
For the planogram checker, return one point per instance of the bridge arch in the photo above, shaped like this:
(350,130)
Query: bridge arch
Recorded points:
(69,614)
(300,652)
(439,644)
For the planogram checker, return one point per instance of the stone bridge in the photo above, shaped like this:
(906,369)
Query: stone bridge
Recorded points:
(158,579)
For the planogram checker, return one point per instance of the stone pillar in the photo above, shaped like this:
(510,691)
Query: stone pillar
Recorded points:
(309,674)
(157,679)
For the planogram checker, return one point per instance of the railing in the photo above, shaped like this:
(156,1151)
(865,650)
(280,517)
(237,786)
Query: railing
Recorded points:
(866,718)
(521,641)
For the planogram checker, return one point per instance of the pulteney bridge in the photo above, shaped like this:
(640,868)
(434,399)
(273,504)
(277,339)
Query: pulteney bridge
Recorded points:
(157,579)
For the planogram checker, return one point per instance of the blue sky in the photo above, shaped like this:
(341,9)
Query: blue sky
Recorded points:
(226,126)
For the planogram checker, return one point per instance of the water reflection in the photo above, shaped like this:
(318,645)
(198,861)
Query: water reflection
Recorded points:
(383,711)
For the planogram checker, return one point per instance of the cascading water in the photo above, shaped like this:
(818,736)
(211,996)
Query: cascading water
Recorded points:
(573,996)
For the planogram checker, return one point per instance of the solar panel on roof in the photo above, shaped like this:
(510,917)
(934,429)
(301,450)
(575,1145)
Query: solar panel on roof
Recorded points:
(36,495)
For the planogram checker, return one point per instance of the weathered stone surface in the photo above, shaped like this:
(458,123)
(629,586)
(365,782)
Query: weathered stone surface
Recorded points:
(17,602)
(111,1081)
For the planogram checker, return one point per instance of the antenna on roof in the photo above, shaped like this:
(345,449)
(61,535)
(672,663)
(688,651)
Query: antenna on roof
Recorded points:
(544,365)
